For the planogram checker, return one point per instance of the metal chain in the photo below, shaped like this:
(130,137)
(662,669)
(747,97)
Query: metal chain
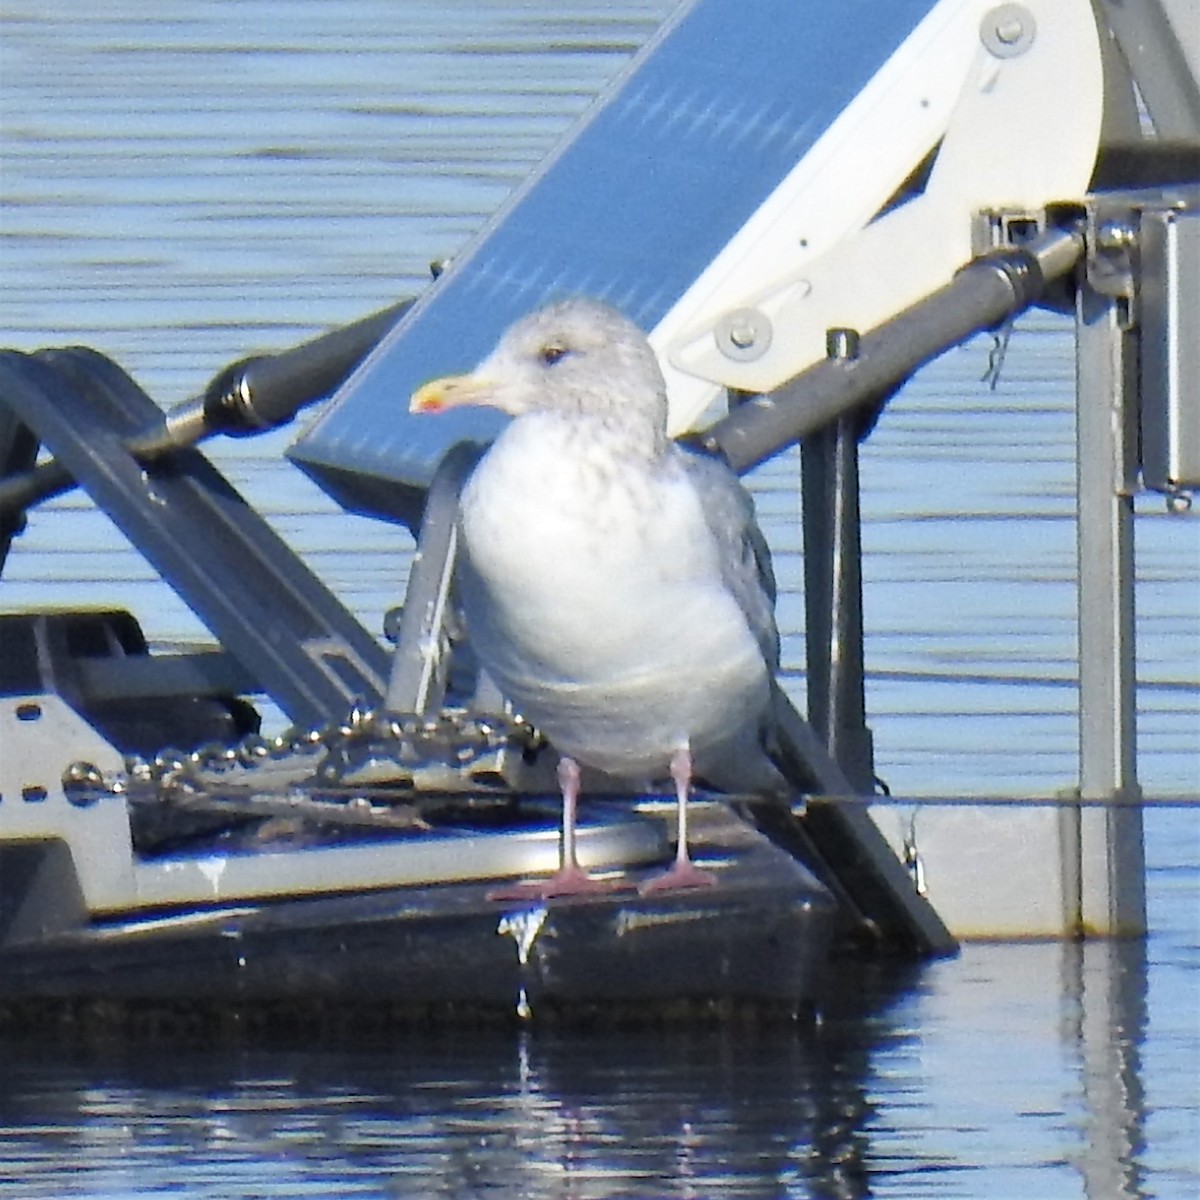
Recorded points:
(370,767)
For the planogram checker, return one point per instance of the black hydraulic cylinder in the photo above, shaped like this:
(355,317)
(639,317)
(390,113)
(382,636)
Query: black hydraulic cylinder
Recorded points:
(267,390)
(250,396)
(983,293)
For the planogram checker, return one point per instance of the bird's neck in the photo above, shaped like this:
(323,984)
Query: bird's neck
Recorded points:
(629,436)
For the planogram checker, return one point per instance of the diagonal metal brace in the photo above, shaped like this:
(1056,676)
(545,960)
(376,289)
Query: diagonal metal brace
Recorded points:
(420,663)
(844,845)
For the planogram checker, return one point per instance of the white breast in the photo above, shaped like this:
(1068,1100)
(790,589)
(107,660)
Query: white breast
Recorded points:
(594,597)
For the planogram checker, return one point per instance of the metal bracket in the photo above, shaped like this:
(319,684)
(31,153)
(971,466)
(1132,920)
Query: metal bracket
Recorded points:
(973,82)
(1113,240)
(1112,250)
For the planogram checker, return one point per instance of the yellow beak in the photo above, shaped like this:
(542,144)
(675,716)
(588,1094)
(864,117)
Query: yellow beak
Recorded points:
(453,391)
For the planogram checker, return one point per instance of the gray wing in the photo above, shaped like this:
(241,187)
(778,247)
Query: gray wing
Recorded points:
(745,557)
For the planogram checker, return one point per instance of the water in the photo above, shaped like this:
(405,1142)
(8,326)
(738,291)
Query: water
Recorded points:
(185,184)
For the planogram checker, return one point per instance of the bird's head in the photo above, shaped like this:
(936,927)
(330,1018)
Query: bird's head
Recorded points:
(575,356)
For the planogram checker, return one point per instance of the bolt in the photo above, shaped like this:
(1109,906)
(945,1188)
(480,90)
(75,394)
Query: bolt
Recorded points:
(1115,235)
(742,335)
(1010,32)
(841,344)
(1179,501)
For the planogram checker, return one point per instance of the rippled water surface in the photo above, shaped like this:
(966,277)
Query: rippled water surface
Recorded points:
(183,184)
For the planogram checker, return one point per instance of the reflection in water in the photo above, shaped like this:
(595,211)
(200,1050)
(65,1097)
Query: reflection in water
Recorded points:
(745,1111)
(950,1083)
(1107,982)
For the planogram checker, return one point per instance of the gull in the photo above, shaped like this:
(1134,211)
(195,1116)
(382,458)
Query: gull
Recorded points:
(614,583)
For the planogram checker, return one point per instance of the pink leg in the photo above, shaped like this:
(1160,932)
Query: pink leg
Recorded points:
(684,873)
(570,879)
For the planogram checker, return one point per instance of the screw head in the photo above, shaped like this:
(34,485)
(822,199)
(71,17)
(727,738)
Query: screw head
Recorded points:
(743,334)
(1008,30)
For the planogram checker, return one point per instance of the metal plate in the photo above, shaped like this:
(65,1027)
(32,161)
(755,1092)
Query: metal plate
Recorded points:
(1170,349)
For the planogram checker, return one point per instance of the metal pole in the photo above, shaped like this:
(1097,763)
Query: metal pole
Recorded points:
(816,519)
(1111,862)
(833,598)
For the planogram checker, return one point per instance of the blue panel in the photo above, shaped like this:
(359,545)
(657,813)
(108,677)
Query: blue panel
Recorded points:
(633,205)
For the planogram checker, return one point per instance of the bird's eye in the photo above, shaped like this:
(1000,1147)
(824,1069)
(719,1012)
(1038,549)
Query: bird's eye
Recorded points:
(553,352)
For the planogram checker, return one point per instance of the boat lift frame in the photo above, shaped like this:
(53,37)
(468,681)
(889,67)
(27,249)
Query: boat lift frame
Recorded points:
(1126,255)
